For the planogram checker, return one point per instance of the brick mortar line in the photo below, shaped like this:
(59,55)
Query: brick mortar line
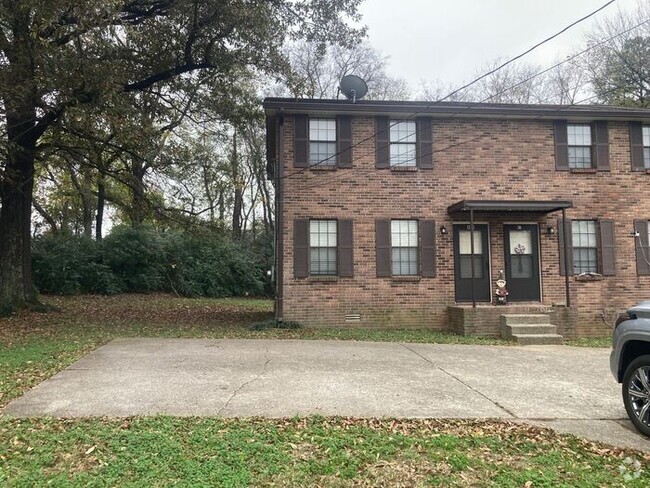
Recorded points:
(495,403)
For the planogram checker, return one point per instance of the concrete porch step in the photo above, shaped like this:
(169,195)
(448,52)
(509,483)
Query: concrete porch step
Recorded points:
(507,331)
(537,339)
(525,318)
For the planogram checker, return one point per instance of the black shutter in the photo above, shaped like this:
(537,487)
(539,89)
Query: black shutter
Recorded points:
(300,141)
(382,143)
(382,247)
(601,145)
(607,253)
(344,141)
(345,250)
(642,249)
(636,146)
(428,248)
(564,229)
(424,145)
(561,145)
(301,248)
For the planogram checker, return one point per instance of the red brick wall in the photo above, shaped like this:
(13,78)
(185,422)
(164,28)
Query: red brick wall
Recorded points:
(513,159)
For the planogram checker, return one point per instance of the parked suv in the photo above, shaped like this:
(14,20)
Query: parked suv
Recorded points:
(630,363)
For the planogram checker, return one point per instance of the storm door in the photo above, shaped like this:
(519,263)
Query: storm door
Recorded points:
(463,263)
(521,244)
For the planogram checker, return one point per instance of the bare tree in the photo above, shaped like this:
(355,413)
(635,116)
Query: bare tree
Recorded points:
(619,70)
(317,71)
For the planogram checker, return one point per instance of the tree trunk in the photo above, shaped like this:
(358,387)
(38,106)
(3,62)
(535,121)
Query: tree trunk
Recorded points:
(101,202)
(17,184)
(16,190)
(46,216)
(239,194)
(222,208)
(83,184)
(138,201)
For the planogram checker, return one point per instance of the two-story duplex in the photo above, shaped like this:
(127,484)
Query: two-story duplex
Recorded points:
(404,214)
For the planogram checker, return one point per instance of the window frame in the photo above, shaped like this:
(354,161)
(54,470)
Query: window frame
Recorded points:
(589,147)
(595,248)
(415,248)
(335,271)
(393,125)
(331,161)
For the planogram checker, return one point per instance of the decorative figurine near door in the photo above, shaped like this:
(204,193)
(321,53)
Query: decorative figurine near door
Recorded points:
(501,292)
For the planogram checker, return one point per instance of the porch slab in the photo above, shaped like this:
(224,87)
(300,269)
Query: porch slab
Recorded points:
(485,319)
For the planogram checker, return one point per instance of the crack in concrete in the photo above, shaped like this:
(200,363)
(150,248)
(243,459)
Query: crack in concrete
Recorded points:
(244,385)
(466,385)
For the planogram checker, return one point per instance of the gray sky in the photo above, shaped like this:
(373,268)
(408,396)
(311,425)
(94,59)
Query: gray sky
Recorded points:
(450,40)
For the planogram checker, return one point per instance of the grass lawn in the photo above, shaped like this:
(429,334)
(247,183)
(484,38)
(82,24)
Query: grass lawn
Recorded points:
(336,452)
(163,451)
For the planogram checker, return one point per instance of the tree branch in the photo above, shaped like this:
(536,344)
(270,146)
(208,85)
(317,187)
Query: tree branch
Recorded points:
(166,75)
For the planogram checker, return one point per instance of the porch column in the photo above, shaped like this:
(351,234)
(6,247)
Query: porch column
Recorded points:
(565,238)
(471,250)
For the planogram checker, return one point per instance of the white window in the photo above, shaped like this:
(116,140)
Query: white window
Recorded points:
(402,143)
(579,145)
(585,246)
(322,247)
(322,142)
(646,146)
(404,247)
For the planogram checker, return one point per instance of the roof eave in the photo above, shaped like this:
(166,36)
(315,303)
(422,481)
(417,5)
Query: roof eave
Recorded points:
(457,109)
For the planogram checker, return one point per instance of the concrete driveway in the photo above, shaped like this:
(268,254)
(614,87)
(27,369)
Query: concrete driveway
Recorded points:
(569,389)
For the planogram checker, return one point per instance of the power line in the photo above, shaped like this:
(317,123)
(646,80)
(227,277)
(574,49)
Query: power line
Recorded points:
(519,56)
(476,80)
(471,105)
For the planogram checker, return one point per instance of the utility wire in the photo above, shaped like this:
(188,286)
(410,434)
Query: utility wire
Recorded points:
(472,105)
(467,85)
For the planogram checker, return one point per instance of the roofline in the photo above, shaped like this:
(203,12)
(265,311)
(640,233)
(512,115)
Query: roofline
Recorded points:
(457,109)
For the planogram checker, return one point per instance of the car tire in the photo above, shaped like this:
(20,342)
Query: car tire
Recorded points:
(636,393)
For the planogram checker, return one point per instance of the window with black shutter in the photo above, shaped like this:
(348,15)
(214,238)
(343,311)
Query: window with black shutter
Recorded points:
(404,143)
(323,247)
(323,142)
(405,248)
(581,146)
(590,245)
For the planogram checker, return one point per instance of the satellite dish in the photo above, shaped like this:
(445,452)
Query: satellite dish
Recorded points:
(353,87)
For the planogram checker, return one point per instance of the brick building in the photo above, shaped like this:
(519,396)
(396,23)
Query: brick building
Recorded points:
(403,214)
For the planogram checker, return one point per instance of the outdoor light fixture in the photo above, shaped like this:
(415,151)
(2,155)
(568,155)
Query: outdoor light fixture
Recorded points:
(443,230)
(550,230)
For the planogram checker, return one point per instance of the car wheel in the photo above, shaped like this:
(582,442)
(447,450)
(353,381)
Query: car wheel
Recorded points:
(636,393)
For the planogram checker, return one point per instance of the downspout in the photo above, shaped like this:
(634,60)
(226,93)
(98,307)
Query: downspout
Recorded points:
(565,239)
(471,243)
(279,221)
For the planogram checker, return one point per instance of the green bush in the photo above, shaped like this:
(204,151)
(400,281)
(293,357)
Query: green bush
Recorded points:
(204,264)
(137,258)
(66,265)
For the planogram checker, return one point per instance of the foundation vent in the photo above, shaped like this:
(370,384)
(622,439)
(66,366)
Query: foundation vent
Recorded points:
(353,318)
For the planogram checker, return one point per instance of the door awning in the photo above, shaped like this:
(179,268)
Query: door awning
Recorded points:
(496,206)
(538,207)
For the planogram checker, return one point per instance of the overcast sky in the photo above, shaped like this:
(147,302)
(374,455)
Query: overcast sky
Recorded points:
(450,40)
